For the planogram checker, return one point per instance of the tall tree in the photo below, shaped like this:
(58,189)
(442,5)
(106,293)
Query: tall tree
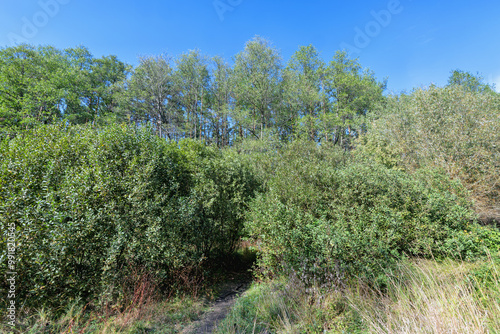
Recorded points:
(220,99)
(352,92)
(257,75)
(303,93)
(90,82)
(31,85)
(151,96)
(192,80)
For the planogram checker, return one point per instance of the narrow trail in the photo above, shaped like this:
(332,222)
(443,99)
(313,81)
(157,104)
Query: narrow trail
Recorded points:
(218,309)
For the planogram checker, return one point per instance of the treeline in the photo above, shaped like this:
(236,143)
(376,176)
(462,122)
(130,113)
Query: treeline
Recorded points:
(41,85)
(192,95)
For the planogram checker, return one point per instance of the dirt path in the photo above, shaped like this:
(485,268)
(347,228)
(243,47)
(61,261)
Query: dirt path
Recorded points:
(219,308)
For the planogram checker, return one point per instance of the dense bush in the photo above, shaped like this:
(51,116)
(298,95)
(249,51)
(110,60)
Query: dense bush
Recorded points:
(90,204)
(455,129)
(337,220)
(222,186)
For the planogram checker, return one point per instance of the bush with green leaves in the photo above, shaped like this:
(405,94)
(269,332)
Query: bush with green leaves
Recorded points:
(357,219)
(222,187)
(90,204)
(453,128)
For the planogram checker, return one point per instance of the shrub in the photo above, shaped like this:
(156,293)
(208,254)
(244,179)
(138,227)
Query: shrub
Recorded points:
(222,187)
(90,205)
(451,128)
(357,219)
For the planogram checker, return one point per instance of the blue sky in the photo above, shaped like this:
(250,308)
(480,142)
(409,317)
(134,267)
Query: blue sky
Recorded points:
(412,42)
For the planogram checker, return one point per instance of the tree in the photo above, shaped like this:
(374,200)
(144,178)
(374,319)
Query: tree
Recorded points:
(107,72)
(91,92)
(150,96)
(352,93)
(192,80)
(303,93)
(469,81)
(257,75)
(31,85)
(220,101)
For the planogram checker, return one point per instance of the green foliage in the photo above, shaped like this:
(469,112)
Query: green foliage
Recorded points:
(303,97)
(222,186)
(323,217)
(455,129)
(257,74)
(469,81)
(39,85)
(355,92)
(192,81)
(473,241)
(485,275)
(90,204)
(328,102)
(149,95)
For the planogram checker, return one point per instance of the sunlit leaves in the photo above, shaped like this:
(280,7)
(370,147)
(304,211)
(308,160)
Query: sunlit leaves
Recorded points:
(451,128)
(90,204)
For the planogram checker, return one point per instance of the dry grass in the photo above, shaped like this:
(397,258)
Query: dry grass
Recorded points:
(167,316)
(430,297)
(423,296)
(141,311)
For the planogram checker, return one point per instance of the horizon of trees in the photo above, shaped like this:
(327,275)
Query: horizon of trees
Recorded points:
(192,95)
(196,96)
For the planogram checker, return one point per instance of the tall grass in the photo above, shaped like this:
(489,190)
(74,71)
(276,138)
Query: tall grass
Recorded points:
(422,296)
(430,297)
(286,306)
(142,312)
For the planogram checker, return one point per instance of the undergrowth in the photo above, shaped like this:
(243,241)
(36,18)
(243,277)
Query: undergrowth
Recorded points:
(421,296)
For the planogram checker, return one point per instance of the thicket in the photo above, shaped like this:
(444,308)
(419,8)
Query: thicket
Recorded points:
(328,217)
(455,128)
(91,206)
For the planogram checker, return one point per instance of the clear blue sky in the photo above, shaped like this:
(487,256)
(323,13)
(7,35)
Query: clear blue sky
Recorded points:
(418,43)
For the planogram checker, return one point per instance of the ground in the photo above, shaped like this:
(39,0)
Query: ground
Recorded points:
(219,308)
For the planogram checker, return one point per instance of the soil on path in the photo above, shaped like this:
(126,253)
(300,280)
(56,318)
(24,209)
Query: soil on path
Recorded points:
(219,308)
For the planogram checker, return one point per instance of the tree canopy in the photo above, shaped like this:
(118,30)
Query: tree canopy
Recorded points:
(192,95)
